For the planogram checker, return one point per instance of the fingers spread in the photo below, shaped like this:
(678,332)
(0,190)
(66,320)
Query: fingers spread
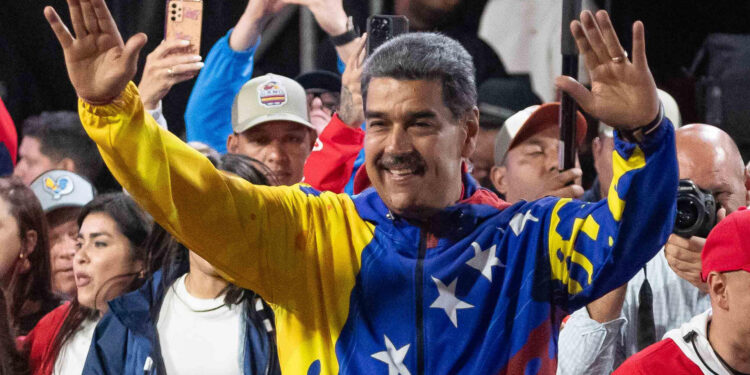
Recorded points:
(89,17)
(594,37)
(639,46)
(76,18)
(589,56)
(614,48)
(582,96)
(104,18)
(132,48)
(61,32)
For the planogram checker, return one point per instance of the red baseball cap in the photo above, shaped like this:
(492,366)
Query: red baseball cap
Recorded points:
(726,248)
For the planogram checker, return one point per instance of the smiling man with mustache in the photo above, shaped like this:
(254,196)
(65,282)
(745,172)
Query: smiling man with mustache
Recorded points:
(425,273)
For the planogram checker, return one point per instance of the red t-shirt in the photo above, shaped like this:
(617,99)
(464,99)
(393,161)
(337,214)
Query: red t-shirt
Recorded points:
(664,357)
(38,342)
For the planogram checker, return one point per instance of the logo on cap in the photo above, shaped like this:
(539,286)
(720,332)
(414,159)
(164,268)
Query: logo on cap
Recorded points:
(271,94)
(58,188)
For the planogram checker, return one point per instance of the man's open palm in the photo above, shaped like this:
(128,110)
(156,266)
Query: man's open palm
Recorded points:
(99,64)
(623,92)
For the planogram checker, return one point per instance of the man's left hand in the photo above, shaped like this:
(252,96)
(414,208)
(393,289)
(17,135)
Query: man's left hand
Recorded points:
(623,93)
(684,257)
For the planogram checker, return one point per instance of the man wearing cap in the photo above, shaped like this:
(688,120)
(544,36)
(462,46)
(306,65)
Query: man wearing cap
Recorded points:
(424,273)
(499,98)
(718,340)
(599,337)
(230,64)
(62,194)
(526,156)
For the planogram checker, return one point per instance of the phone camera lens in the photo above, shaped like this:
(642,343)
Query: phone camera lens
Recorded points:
(174,11)
(174,18)
(174,5)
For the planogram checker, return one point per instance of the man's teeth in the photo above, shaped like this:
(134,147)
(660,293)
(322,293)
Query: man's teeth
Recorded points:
(401,172)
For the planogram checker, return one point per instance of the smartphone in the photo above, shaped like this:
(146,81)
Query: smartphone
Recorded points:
(184,21)
(381,28)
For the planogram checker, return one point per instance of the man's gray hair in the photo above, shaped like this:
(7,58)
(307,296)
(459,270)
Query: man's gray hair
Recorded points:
(426,56)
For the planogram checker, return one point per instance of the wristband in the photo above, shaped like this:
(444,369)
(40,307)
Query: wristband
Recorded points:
(350,34)
(639,134)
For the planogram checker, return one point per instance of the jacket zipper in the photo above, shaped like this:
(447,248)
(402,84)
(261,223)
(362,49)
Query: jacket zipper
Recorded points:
(419,276)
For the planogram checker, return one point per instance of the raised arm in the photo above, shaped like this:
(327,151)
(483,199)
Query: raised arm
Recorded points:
(273,240)
(229,64)
(595,248)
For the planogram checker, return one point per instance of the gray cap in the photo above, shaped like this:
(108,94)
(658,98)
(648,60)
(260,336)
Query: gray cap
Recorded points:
(59,188)
(269,98)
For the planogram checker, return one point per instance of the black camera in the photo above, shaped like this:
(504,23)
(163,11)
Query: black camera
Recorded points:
(696,210)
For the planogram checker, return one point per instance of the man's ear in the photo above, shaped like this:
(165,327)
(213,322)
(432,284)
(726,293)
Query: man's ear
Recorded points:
(66,164)
(717,288)
(471,124)
(497,175)
(233,143)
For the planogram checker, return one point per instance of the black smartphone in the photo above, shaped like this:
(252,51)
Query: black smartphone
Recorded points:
(381,28)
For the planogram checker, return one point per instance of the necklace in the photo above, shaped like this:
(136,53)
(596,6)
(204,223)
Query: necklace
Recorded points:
(188,305)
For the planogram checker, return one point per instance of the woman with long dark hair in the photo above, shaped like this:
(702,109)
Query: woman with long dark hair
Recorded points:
(24,258)
(110,260)
(188,319)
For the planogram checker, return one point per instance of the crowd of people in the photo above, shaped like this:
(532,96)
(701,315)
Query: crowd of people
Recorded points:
(404,215)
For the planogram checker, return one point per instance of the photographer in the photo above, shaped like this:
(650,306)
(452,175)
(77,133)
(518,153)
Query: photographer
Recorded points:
(598,338)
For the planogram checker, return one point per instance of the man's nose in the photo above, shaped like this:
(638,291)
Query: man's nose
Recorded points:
(275,153)
(315,103)
(398,141)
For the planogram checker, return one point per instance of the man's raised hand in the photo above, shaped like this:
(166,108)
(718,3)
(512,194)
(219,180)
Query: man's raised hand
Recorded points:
(99,64)
(623,93)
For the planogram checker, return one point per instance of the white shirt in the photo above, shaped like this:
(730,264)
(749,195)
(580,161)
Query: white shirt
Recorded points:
(199,336)
(73,353)
(589,347)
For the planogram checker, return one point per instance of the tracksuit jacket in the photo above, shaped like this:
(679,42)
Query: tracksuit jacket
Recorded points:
(480,289)
(126,341)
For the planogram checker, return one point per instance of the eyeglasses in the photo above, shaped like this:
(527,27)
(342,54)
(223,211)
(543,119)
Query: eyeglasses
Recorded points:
(328,99)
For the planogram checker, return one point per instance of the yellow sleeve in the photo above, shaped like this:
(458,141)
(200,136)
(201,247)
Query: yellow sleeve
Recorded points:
(277,241)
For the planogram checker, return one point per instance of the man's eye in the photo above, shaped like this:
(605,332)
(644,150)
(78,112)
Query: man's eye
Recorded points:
(100,244)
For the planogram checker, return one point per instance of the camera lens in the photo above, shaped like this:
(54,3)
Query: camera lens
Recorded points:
(687,213)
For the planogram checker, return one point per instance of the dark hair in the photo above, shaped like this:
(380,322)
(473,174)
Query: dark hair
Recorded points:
(61,135)
(426,56)
(11,362)
(135,225)
(34,285)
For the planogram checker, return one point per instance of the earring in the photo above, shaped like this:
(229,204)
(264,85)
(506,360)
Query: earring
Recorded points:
(21,255)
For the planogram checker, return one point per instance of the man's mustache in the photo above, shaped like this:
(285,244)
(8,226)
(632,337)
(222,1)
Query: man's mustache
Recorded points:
(411,160)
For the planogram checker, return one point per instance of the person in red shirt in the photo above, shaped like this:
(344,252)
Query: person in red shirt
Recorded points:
(717,341)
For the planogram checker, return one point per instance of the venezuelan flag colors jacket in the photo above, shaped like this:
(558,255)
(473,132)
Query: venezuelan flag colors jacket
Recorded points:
(355,289)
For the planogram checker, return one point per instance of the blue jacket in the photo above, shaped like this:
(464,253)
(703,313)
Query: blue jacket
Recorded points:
(126,341)
(479,289)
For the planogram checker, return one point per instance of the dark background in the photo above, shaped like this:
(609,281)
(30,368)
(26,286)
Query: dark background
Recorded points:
(33,76)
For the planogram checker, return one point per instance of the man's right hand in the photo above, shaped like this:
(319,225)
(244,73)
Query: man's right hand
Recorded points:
(351,110)
(99,64)
(565,184)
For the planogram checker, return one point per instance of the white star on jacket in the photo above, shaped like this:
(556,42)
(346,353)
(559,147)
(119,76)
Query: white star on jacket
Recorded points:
(393,358)
(519,220)
(484,260)
(447,300)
